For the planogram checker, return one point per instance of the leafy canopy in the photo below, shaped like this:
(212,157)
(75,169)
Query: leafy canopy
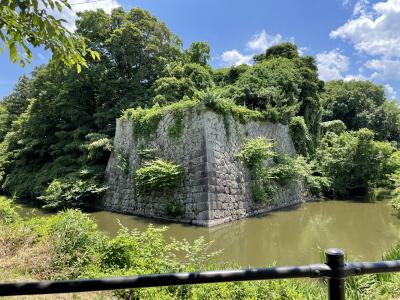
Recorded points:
(31,23)
(355,162)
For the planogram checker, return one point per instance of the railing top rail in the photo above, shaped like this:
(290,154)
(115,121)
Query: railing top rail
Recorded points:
(86,285)
(157,280)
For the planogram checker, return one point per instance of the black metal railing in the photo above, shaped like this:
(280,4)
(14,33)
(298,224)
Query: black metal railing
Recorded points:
(334,269)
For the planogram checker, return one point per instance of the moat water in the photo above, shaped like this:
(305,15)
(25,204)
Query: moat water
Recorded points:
(295,236)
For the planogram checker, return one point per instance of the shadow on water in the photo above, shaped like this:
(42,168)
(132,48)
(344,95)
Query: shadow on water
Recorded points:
(291,236)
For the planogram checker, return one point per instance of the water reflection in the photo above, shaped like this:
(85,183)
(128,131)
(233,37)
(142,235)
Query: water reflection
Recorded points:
(295,236)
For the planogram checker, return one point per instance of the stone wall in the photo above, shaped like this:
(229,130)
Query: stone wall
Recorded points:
(216,186)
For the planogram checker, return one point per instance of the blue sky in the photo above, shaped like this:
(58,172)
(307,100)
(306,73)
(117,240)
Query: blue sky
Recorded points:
(349,38)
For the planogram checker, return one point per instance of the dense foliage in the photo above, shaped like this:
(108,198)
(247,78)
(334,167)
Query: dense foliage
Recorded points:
(355,162)
(157,175)
(270,170)
(282,84)
(362,104)
(57,125)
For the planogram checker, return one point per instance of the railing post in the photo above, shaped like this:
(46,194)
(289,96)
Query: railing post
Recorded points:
(336,282)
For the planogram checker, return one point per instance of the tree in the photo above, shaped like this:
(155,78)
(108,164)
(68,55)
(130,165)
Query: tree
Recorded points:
(354,162)
(282,84)
(353,102)
(386,121)
(199,53)
(59,145)
(181,80)
(228,76)
(15,104)
(24,23)
(288,50)
(362,104)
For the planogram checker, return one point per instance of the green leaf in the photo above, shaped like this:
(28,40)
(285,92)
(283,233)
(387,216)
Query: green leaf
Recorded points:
(59,6)
(13,52)
(51,3)
(78,68)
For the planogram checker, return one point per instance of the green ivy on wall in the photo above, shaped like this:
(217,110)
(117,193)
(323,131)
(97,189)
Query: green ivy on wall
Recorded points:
(266,180)
(122,160)
(157,175)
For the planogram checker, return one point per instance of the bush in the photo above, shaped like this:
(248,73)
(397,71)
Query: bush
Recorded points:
(317,182)
(395,201)
(8,212)
(75,242)
(266,180)
(223,106)
(255,151)
(285,168)
(73,191)
(174,208)
(158,175)
(335,126)
(354,162)
(395,194)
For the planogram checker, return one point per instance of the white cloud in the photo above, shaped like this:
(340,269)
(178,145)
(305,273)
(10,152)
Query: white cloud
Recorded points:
(389,91)
(384,69)
(361,8)
(332,64)
(302,50)
(234,57)
(374,31)
(257,44)
(262,41)
(70,15)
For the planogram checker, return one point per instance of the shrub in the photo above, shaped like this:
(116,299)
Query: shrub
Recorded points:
(98,146)
(74,191)
(395,194)
(140,252)
(335,126)
(158,175)
(146,154)
(395,201)
(266,180)
(316,181)
(75,242)
(174,208)
(176,128)
(8,212)
(354,162)
(285,168)
(255,151)
(214,101)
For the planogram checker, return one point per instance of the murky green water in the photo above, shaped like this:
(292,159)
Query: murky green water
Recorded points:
(294,236)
